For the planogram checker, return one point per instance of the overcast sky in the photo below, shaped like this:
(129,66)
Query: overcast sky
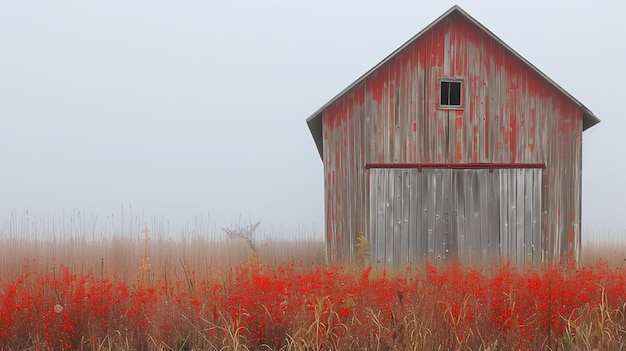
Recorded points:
(181,109)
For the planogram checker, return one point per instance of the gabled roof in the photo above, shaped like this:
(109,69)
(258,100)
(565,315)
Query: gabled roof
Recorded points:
(315,120)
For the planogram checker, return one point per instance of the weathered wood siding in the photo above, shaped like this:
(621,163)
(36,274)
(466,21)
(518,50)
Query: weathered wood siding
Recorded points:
(476,216)
(509,114)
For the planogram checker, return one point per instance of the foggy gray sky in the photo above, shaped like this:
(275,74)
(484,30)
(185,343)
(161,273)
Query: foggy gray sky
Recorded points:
(183,109)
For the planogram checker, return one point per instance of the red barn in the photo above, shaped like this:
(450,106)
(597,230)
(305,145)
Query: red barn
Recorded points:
(454,147)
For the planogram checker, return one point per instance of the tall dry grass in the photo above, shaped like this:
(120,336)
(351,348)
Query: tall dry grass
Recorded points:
(115,244)
(604,246)
(118,245)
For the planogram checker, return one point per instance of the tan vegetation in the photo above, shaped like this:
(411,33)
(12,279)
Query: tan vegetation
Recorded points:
(198,289)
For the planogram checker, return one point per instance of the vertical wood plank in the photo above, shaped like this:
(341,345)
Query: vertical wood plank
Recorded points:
(494,213)
(398,211)
(483,214)
(424,182)
(389,218)
(477,233)
(519,212)
(382,214)
(453,218)
(432,213)
(528,214)
(414,218)
(405,216)
(448,211)
(505,232)
(536,191)
(439,232)
(371,235)
(459,213)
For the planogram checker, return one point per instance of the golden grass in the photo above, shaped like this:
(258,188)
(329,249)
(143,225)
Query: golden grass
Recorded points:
(119,248)
(118,245)
(123,247)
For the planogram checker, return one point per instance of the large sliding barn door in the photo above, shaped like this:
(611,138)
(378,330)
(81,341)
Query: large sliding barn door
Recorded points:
(475,216)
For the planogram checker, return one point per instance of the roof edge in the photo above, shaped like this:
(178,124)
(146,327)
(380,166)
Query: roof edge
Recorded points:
(385,60)
(315,126)
(315,123)
(589,119)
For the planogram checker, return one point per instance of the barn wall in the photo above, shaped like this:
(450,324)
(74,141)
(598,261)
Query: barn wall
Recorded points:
(345,152)
(509,114)
(475,216)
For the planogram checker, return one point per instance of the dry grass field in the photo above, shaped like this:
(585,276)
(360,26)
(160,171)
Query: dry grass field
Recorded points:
(78,284)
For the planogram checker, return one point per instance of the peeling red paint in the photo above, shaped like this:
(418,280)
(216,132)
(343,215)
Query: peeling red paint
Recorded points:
(487,138)
(377,88)
(510,113)
(513,138)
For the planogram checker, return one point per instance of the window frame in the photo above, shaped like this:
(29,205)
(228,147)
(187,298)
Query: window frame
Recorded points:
(441,80)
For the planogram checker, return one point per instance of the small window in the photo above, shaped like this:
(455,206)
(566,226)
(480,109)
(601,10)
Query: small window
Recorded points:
(450,93)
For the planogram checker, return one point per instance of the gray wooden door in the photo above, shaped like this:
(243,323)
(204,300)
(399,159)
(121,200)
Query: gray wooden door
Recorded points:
(476,216)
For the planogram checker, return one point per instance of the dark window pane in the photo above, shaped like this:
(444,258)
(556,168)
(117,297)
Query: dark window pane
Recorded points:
(455,94)
(445,93)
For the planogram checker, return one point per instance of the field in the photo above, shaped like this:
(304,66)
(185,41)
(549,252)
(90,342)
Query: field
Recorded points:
(129,286)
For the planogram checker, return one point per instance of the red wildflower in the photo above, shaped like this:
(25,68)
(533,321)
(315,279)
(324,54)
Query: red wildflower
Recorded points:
(345,312)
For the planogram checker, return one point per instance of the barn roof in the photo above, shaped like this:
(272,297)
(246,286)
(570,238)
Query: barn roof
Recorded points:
(315,120)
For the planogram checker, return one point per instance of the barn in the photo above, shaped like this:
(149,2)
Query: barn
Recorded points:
(453,148)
